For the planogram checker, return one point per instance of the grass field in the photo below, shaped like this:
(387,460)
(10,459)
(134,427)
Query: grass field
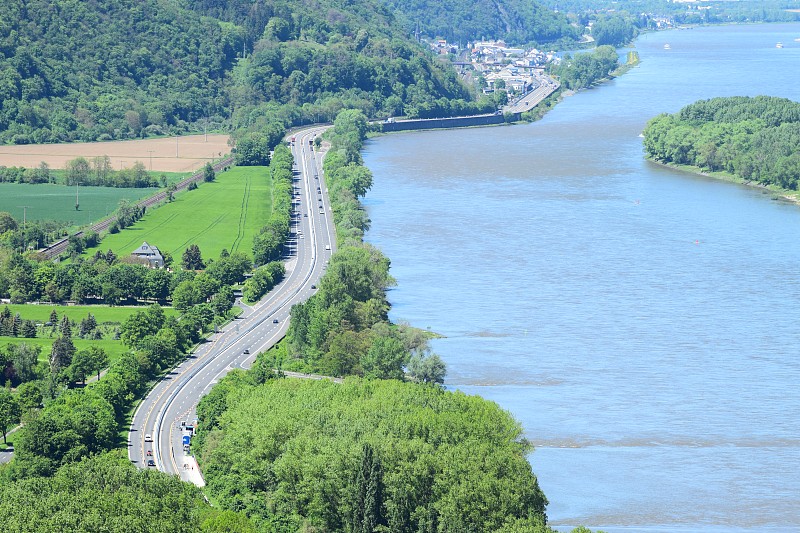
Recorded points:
(47,201)
(113,348)
(226,213)
(102,313)
(171,154)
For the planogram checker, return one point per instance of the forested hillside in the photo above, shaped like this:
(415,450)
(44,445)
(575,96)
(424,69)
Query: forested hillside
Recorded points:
(127,68)
(111,69)
(755,139)
(517,21)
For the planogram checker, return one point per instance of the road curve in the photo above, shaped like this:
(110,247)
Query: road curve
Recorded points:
(173,399)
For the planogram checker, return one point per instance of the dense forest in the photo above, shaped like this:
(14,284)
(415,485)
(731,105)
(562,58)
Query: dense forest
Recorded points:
(365,456)
(755,139)
(113,69)
(108,493)
(460,21)
(125,69)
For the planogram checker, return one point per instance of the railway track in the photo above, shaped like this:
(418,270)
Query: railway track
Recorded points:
(60,246)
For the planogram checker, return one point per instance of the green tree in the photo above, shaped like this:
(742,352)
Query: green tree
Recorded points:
(7,222)
(9,412)
(140,324)
(29,396)
(92,359)
(78,170)
(385,359)
(368,506)
(61,354)
(427,368)
(185,296)
(208,173)
(25,357)
(192,258)
(252,150)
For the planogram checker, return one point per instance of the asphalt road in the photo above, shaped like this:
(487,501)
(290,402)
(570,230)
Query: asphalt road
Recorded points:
(529,101)
(174,398)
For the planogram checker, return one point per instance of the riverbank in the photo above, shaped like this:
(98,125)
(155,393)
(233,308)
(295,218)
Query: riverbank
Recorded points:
(778,193)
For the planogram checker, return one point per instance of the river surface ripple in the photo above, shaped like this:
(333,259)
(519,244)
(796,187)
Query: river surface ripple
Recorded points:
(640,323)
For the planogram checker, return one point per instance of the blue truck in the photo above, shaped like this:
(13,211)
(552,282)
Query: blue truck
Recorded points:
(186,441)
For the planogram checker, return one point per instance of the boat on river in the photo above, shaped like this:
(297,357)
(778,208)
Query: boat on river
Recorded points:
(779,45)
(667,46)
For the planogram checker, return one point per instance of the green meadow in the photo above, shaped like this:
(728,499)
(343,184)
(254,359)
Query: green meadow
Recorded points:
(112,347)
(102,313)
(47,201)
(226,213)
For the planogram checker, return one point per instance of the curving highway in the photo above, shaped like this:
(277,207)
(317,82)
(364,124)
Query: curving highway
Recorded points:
(156,429)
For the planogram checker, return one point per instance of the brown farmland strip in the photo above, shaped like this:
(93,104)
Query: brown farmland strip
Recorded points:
(193,151)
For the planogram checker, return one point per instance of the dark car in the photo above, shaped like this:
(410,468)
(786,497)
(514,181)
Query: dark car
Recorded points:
(274,320)
(246,351)
(313,286)
(150,462)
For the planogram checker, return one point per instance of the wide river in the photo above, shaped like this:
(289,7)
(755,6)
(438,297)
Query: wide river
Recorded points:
(642,324)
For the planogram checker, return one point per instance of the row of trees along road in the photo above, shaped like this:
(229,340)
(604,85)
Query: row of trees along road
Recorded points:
(343,329)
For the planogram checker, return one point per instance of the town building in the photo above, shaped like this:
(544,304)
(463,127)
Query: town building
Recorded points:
(149,254)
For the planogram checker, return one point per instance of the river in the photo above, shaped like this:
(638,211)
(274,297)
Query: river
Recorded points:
(642,324)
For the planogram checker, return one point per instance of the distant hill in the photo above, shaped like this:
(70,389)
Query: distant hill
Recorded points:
(111,69)
(121,69)
(516,21)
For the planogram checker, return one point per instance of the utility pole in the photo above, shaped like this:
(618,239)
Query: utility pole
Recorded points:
(77,204)
(176,145)
(151,159)
(24,214)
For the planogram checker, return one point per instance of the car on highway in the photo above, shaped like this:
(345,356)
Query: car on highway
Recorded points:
(150,462)
(149,453)
(148,438)
(313,286)
(274,320)
(246,351)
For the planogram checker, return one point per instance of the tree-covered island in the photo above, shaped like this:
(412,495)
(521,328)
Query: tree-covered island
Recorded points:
(755,140)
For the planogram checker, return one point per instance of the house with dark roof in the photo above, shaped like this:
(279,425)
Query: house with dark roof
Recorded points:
(150,254)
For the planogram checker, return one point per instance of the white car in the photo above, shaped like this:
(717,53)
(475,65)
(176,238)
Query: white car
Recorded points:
(148,438)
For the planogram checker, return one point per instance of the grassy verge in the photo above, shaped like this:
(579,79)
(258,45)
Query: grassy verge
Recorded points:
(226,213)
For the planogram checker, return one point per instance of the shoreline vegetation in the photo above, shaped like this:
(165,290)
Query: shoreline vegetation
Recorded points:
(753,141)
(404,453)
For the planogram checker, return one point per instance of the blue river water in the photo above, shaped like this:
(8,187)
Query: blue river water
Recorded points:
(642,324)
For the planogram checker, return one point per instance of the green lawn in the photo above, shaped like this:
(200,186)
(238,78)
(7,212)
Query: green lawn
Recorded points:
(48,201)
(226,213)
(113,348)
(102,313)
